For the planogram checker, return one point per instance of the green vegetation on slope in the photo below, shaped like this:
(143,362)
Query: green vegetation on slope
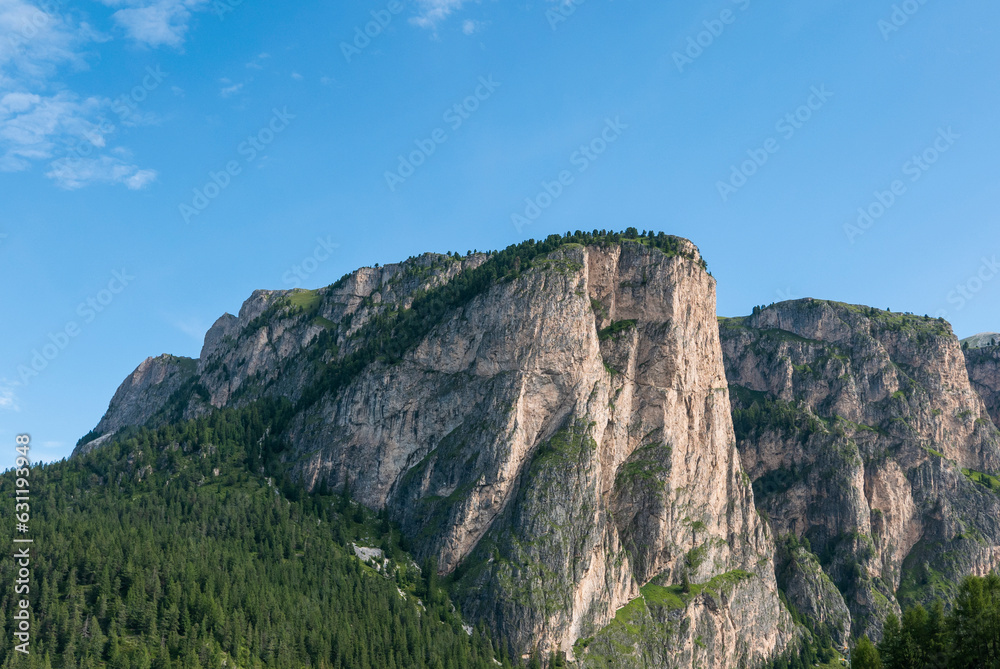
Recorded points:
(760,414)
(986,480)
(650,624)
(165,549)
(616,328)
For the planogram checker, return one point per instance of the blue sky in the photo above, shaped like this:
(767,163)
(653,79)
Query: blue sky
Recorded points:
(161,159)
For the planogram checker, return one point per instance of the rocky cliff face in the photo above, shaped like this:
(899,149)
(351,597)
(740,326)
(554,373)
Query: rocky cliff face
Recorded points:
(863,438)
(547,442)
(561,442)
(558,432)
(984,373)
(145,391)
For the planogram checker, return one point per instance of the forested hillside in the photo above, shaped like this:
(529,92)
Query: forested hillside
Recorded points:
(167,549)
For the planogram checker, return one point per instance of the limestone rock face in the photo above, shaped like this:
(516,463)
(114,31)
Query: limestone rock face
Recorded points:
(856,426)
(811,593)
(263,351)
(984,373)
(145,391)
(561,443)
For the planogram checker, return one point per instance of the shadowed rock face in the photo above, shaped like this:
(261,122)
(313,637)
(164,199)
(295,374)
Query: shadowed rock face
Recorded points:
(984,373)
(855,426)
(558,442)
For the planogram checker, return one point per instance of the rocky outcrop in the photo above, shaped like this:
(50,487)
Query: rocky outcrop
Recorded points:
(714,624)
(560,440)
(549,443)
(265,351)
(863,435)
(145,391)
(983,364)
(811,594)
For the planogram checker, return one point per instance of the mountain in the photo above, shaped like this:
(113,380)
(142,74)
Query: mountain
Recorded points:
(865,441)
(981,340)
(600,468)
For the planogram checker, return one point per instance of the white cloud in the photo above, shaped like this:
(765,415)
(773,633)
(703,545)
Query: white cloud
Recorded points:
(296,76)
(42,121)
(31,125)
(434,11)
(470,27)
(227,91)
(69,132)
(18,102)
(255,64)
(8,399)
(74,172)
(155,22)
(34,42)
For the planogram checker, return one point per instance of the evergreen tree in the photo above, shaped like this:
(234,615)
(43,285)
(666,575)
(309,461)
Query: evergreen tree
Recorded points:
(865,655)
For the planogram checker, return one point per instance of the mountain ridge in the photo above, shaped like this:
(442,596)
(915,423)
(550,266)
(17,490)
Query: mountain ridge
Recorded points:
(543,422)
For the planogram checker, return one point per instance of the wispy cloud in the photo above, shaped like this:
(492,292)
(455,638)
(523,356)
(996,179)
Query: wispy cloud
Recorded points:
(229,88)
(8,399)
(68,132)
(32,126)
(433,12)
(155,22)
(41,120)
(257,62)
(73,173)
(35,42)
